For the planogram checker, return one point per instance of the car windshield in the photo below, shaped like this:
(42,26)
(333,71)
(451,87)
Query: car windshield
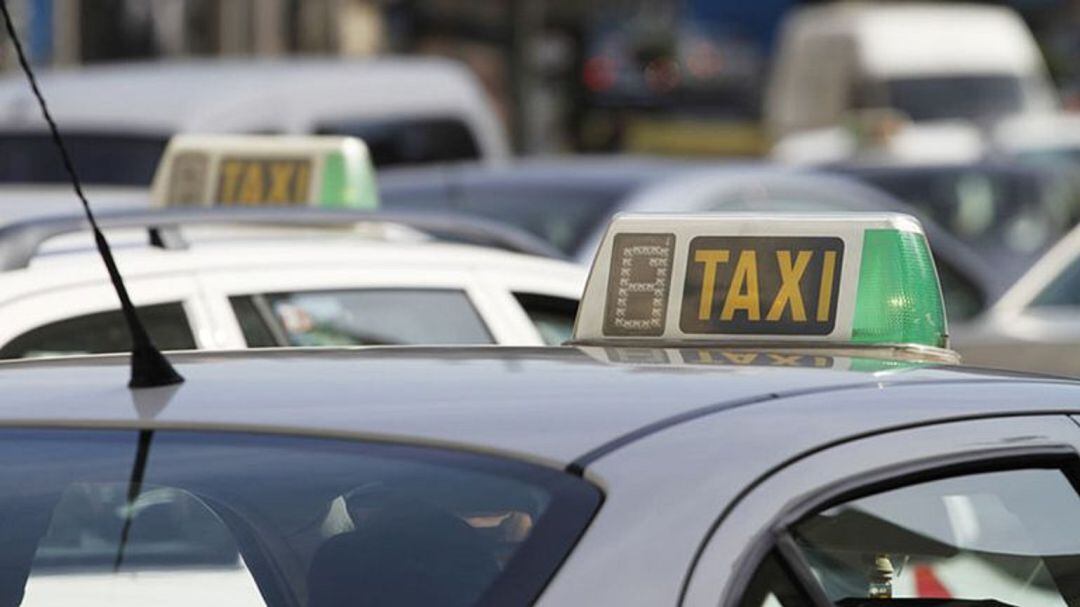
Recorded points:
(409,140)
(972,97)
(138,518)
(101,158)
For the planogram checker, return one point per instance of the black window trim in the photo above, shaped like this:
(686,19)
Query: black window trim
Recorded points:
(777,539)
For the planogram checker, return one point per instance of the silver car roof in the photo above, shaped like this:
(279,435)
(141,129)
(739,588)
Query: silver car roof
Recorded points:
(551,405)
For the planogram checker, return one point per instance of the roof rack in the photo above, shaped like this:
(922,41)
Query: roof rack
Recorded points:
(20,241)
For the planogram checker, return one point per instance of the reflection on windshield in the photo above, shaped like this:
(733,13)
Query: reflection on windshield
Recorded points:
(1005,536)
(241,520)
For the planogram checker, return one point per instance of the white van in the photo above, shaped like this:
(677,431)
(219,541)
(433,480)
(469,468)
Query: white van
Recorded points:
(924,63)
(116,119)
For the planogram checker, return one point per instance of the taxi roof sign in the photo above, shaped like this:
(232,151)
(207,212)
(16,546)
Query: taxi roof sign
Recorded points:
(265,170)
(834,280)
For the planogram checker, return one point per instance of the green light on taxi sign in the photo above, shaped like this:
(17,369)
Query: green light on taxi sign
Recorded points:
(242,170)
(899,297)
(786,280)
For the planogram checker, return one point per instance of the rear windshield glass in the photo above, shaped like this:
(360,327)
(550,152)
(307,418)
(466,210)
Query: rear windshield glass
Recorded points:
(170,517)
(943,97)
(101,159)
(409,140)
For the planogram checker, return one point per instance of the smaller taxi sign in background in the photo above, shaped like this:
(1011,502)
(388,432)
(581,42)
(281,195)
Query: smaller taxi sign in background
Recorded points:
(265,170)
(245,181)
(761,285)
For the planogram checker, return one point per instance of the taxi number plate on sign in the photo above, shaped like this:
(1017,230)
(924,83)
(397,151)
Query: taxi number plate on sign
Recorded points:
(759,285)
(263,181)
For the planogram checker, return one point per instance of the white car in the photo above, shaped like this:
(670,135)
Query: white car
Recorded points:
(925,62)
(116,119)
(1035,326)
(226,288)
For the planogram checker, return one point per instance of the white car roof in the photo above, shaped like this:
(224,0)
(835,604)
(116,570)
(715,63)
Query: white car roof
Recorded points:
(921,38)
(280,95)
(1039,276)
(72,258)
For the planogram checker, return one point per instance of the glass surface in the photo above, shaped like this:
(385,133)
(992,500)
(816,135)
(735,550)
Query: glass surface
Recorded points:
(409,141)
(553,317)
(943,97)
(101,159)
(1005,536)
(360,317)
(772,586)
(1064,290)
(103,332)
(231,519)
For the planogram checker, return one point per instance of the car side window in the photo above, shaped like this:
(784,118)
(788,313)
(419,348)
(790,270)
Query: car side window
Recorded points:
(177,517)
(360,317)
(552,316)
(103,332)
(773,586)
(1064,290)
(993,538)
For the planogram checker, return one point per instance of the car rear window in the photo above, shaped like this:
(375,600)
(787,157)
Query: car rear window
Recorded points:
(409,140)
(133,517)
(103,332)
(102,158)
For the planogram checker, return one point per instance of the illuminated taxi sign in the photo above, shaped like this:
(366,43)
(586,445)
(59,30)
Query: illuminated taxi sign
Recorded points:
(860,279)
(233,170)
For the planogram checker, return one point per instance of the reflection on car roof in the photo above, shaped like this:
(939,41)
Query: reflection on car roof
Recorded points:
(550,404)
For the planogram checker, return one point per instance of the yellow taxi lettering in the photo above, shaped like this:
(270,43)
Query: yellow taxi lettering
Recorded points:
(705,357)
(251,185)
(782,360)
(300,184)
(790,295)
(230,171)
(740,359)
(281,176)
(826,287)
(708,283)
(743,292)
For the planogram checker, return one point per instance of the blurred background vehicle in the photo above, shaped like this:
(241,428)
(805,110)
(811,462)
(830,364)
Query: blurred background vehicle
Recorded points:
(568,202)
(1036,324)
(549,116)
(118,118)
(1051,138)
(215,279)
(914,59)
(1008,213)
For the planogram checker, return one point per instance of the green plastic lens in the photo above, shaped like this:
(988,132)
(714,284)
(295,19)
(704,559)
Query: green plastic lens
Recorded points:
(348,184)
(899,297)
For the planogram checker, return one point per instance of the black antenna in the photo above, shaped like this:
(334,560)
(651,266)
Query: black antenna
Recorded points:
(149,367)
